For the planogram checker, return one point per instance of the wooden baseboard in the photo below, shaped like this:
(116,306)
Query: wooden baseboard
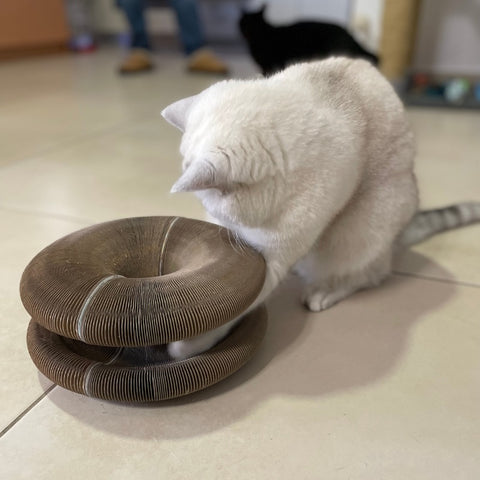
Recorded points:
(31,51)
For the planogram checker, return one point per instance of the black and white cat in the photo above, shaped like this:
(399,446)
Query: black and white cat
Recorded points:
(312,166)
(274,48)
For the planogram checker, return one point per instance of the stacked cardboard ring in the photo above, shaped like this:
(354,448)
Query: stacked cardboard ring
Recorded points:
(106,300)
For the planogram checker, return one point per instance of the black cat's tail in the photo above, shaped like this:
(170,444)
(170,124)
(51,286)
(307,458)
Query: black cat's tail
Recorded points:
(373,58)
(427,223)
(368,55)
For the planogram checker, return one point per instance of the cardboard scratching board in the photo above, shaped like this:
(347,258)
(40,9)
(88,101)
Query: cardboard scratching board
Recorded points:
(105,300)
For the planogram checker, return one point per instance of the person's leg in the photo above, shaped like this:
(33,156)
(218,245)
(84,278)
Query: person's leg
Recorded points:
(200,59)
(79,18)
(134,12)
(138,60)
(191,32)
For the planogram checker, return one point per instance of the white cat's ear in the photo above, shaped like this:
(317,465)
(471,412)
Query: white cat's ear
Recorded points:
(198,176)
(176,113)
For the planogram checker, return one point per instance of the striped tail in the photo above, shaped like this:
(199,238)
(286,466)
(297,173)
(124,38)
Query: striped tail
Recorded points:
(427,223)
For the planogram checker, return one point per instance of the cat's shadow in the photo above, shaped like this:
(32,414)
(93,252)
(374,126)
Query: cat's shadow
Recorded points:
(350,346)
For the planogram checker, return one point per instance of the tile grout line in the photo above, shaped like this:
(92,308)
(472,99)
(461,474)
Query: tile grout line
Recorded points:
(51,215)
(436,279)
(28,409)
(82,138)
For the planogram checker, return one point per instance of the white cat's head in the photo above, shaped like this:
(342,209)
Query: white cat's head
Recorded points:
(229,159)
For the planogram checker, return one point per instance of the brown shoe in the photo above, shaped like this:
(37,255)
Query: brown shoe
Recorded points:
(137,61)
(204,60)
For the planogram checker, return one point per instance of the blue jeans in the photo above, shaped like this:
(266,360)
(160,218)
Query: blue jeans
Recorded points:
(191,34)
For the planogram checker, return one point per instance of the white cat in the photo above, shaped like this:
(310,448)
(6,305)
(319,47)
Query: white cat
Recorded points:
(314,168)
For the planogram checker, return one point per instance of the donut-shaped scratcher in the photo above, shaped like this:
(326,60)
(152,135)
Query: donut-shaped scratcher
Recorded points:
(105,300)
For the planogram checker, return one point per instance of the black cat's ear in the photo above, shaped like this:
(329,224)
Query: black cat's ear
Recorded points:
(176,113)
(250,11)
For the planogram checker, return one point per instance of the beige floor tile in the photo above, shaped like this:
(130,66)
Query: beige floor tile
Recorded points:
(385,385)
(124,173)
(63,99)
(448,164)
(23,236)
(96,145)
(452,256)
(448,168)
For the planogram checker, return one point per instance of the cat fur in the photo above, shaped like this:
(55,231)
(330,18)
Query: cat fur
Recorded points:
(275,47)
(313,167)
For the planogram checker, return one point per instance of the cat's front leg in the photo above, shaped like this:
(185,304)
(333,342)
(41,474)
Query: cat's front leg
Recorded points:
(318,299)
(193,346)
(182,349)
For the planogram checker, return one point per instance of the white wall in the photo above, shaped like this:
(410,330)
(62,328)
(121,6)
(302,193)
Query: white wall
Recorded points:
(366,21)
(362,17)
(280,12)
(448,39)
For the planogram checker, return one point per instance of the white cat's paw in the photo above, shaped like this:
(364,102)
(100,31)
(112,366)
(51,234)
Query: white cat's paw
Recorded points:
(183,349)
(319,300)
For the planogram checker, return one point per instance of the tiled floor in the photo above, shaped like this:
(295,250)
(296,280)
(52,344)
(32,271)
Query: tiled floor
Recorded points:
(385,385)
